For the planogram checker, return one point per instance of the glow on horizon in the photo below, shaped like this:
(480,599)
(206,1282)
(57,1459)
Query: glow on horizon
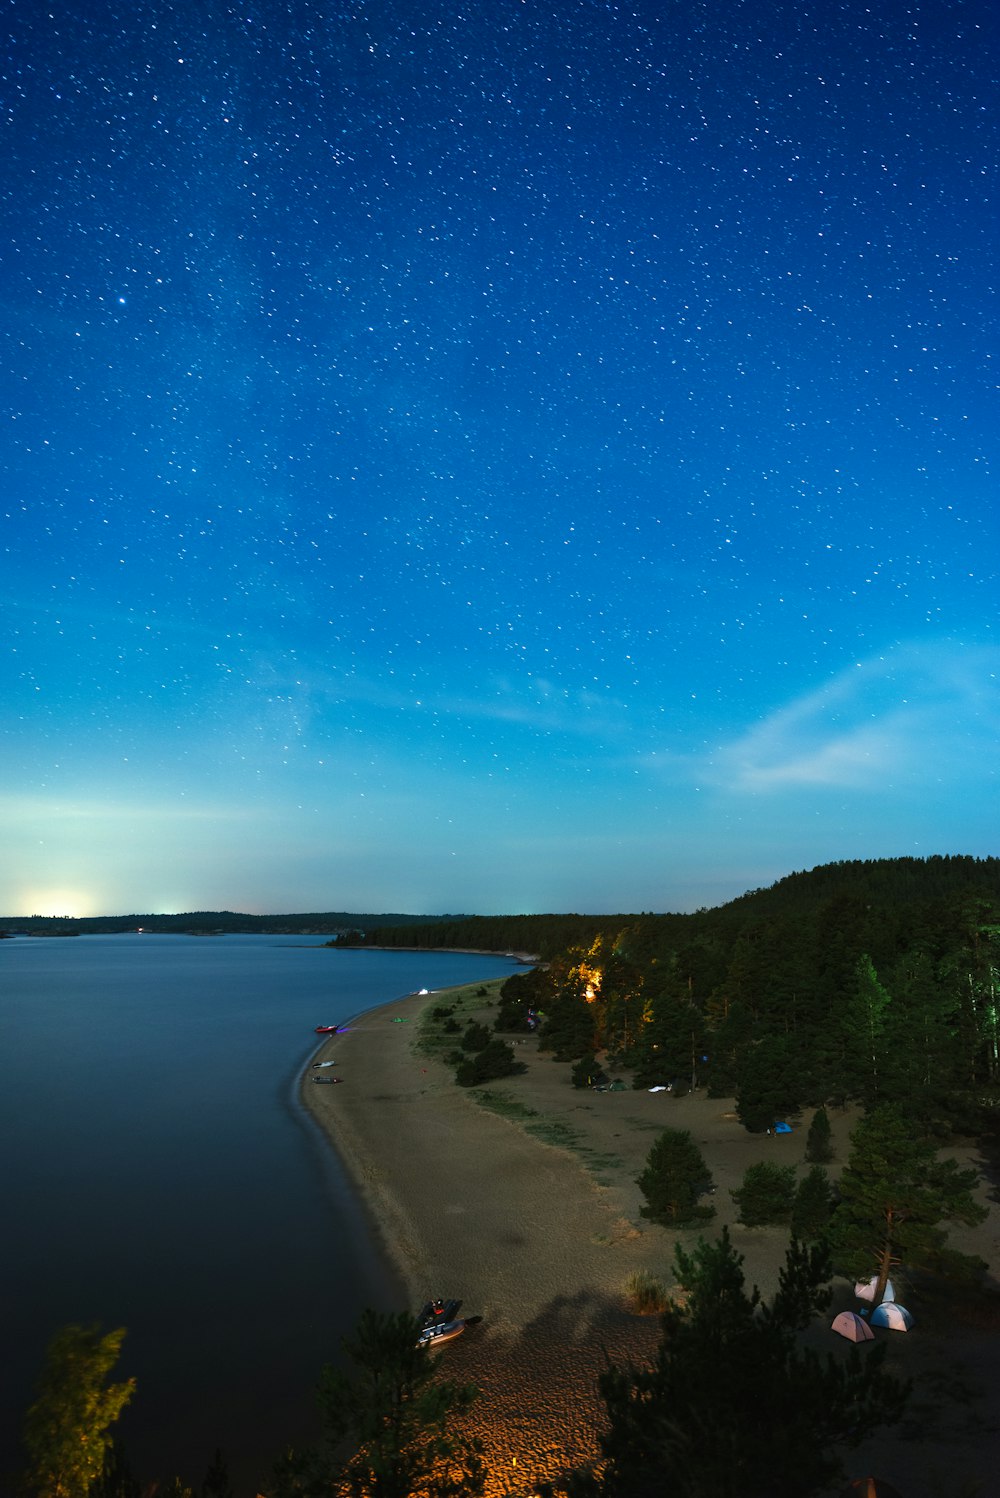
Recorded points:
(55,904)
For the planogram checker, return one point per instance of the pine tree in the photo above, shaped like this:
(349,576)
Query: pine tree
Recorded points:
(769,1084)
(895,1194)
(674,1180)
(819,1140)
(813,1206)
(866,1017)
(404,1425)
(766,1194)
(734,1406)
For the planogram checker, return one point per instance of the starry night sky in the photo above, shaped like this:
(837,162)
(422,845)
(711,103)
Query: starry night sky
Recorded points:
(493,457)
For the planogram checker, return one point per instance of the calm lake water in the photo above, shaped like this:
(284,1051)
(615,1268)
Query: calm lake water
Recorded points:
(160,1173)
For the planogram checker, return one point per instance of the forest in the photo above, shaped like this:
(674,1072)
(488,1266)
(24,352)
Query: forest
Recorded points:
(873,981)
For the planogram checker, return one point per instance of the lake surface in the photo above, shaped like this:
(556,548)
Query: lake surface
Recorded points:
(160,1173)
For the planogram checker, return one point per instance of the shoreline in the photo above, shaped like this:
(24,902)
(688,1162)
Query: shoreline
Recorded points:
(467,1204)
(531,1216)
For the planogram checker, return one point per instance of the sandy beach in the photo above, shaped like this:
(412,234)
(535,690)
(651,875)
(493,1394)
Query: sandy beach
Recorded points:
(531,1216)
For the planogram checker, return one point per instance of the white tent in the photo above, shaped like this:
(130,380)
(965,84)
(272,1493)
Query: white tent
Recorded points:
(865,1290)
(850,1325)
(897,1318)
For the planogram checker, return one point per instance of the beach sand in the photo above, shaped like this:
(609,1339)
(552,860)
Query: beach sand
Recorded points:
(538,1238)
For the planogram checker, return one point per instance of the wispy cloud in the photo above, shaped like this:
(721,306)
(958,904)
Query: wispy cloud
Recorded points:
(916,714)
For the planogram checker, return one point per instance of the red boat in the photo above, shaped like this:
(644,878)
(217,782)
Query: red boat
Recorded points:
(326,1029)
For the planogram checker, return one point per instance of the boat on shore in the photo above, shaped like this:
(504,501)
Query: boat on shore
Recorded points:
(432,1335)
(437,1312)
(442,1323)
(326,1029)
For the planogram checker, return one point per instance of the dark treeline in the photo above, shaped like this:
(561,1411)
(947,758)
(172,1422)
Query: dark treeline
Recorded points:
(541,935)
(211,923)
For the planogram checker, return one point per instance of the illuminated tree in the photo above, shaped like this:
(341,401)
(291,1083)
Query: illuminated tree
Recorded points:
(66,1429)
(395,1427)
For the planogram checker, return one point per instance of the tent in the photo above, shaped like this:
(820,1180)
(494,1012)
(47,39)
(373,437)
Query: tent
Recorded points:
(782,1128)
(850,1325)
(865,1289)
(897,1318)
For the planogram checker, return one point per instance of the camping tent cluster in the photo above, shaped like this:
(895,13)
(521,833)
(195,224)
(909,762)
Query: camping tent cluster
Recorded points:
(856,1326)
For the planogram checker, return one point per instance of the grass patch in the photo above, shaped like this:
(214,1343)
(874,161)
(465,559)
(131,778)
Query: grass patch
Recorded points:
(548,1130)
(449,1011)
(644,1294)
(503,1104)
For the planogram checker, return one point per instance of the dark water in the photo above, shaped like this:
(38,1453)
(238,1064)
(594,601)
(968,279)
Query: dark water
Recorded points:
(159,1173)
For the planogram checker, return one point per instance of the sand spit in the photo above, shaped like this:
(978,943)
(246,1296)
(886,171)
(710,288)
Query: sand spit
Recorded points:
(538,1231)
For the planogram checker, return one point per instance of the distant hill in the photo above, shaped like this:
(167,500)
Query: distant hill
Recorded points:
(874,881)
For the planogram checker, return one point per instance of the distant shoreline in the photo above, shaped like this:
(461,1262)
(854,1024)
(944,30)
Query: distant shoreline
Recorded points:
(526,958)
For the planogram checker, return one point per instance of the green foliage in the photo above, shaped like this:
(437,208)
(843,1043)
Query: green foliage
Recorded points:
(476,1037)
(674,1180)
(769,1084)
(819,1140)
(66,1429)
(520,993)
(496,1059)
(569,1027)
(671,1042)
(865,1017)
(766,1194)
(813,1206)
(734,1406)
(404,1428)
(586,1071)
(895,1197)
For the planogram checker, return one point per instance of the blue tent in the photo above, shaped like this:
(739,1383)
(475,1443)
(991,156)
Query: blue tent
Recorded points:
(891,1314)
(782,1128)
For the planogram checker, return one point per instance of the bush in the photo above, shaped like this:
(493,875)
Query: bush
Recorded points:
(442,1011)
(766,1195)
(644,1295)
(674,1179)
(475,1038)
(586,1071)
(495,1060)
(819,1140)
(813,1206)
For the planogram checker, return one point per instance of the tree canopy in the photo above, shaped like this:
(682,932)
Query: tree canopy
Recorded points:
(66,1429)
(896,1196)
(734,1406)
(394,1427)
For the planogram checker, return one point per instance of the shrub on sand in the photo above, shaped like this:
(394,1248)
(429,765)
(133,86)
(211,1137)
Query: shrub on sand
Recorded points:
(644,1295)
(766,1195)
(674,1179)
